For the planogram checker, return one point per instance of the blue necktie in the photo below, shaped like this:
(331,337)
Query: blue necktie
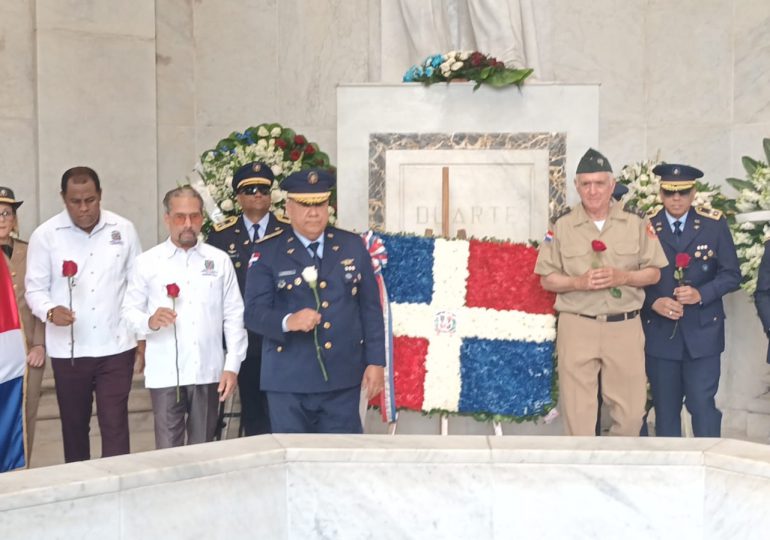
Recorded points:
(313,247)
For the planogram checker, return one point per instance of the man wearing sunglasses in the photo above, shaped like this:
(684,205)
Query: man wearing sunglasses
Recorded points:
(683,313)
(237,236)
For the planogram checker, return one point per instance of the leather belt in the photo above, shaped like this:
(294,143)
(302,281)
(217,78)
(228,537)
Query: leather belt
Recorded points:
(613,317)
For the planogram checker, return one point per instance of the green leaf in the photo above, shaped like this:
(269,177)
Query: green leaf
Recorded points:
(766,146)
(749,164)
(485,72)
(739,184)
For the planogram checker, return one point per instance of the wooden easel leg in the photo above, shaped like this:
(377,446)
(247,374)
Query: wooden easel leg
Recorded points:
(498,428)
(444,424)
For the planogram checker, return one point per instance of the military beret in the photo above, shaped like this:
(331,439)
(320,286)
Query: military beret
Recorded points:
(254,173)
(619,191)
(7,197)
(593,161)
(676,177)
(312,186)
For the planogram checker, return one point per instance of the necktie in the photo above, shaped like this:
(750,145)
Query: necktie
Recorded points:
(313,247)
(8,250)
(678,228)
(255,235)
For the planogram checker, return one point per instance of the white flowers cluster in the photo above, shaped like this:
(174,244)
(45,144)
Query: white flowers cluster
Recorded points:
(750,237)
(643,186)
(453,61)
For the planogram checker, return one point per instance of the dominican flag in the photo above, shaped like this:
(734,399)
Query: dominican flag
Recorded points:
(473,329)
(12,362)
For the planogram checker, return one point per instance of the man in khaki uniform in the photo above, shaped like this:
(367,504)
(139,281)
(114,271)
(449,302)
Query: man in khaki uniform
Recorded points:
(597,257)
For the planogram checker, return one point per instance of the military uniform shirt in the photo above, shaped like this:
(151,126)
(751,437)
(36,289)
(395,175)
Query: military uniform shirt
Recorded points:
(632,244)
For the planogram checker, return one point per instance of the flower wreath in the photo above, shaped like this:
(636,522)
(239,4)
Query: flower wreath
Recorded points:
(466,65)
(281,148)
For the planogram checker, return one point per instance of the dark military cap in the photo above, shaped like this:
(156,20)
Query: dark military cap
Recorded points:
(7,197)
(592,161)
(619,191)
(256,173)
(312,186)
(675,177)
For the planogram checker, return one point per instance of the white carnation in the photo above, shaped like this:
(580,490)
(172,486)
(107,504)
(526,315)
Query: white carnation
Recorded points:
(456,66)
(310,274)
(262,131)
(275,132)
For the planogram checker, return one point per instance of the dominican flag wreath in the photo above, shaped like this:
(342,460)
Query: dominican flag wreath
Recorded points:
(472,330)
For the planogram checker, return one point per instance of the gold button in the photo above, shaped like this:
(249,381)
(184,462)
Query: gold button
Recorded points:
(289,286)
(13,274)
(324,304)
(238,264)
(327,325)
(279,348)
(322,284)
(354,291)
(328,345)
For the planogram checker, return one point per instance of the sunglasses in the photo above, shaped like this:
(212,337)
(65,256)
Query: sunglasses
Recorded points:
(682,192)
(253,190)
(181,219)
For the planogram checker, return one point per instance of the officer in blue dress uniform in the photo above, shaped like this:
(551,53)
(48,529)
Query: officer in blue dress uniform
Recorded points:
(315,388)
(762,294)
(238,236)
(683,316)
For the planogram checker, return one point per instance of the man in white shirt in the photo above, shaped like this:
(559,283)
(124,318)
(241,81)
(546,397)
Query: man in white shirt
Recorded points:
(186,370)
(92,350)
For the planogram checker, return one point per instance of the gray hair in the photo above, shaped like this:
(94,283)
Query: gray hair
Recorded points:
(181,191)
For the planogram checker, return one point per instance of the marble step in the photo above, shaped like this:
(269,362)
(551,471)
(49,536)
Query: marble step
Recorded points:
(757,426)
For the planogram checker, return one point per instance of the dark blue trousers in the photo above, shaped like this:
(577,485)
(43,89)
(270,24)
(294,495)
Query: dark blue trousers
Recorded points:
(322,412)
(695,382)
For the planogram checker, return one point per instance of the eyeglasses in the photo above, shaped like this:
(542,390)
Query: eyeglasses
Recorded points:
(670,193)
(6,214)
(253,190)
(181,219)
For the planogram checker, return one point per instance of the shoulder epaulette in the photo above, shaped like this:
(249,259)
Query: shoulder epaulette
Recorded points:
(229,222)
(561,214)
(711,213)
(631,209)
(654,214)
(273,234)
(283,219)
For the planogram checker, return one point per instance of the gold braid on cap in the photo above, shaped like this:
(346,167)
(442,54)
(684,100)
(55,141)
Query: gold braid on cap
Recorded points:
(256,181)
(310,198)
(676,186)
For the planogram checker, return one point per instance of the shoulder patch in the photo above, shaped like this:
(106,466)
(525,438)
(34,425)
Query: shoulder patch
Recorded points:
(561,214)
(656,213)
(273,234)
(631,209)
(283,219)
(710,213)
(229,222)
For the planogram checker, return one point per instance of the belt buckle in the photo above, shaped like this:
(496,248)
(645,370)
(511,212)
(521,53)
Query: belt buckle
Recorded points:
(601,318)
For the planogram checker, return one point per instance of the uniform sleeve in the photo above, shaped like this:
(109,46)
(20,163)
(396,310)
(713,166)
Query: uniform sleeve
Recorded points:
(135,301)
(236,338)
(371,314)
(651,253)
(728,276)
(260,315)
(37,282)
(549,254)
(762,294)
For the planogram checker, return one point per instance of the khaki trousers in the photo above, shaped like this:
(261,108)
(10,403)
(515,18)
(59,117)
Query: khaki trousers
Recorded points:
(31,403)
(587,347)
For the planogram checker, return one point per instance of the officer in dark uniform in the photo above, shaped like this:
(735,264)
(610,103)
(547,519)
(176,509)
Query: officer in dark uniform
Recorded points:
(683,315)
(238,236)
(318,352)
(762,294)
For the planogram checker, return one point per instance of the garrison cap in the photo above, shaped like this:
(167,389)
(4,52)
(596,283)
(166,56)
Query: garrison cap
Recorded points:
(593,161)
(676,177)
(311,186)
(7,197)
(255,173)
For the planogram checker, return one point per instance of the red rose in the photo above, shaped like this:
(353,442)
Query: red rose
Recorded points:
(309,150)
(598,246)
(172,289)
(280,143)
(294,155)
(299,139)
(682,260)
(69,268)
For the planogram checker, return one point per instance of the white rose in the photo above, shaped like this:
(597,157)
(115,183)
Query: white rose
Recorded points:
(277,170)
(310,274)
(464,55)
(226,205)
(456,66)
(277,195)
(275,132)
(262,131)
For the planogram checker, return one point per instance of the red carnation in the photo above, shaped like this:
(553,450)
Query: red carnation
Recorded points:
(598,246)
(280,143)
(69,268)
(294,155)
(172,289)
(299,139)
(309,150)
(682,260)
